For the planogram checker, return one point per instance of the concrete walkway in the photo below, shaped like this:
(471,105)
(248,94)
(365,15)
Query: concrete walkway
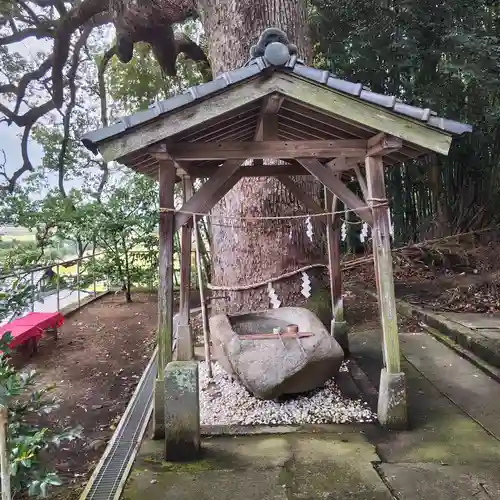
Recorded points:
(452,451)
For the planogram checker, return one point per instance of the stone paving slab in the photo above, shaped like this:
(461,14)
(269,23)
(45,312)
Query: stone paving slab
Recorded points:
(474,320)
(440,431)
(431,481)
(462,382)
(289,467)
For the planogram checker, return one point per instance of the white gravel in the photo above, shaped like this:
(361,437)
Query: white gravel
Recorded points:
(226,402)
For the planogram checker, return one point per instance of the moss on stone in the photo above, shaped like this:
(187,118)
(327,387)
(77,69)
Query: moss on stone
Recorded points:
(320,303)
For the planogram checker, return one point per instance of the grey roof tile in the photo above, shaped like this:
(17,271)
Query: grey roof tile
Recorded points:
(317,75)
(254,67)
(345,86)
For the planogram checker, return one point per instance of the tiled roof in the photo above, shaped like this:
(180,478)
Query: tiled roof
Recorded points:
(273,56)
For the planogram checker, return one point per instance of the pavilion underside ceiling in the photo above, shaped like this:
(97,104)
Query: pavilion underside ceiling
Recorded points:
(295,122)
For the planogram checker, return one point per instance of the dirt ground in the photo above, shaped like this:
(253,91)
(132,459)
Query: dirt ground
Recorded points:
(96,363)
(103,349)
(459,276)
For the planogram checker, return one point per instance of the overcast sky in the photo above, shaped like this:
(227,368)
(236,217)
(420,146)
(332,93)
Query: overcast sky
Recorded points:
(10,136)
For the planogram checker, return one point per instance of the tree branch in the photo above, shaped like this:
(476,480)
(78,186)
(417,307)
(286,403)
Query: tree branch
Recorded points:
(26,167)
(69,109)
(30,117)
(76,17)
(20,89)
(184,45)
(37,32)
(108,55)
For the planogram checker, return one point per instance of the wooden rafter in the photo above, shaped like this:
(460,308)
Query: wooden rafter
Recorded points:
(338,188)
(211,192)
(267,149)
(369,116)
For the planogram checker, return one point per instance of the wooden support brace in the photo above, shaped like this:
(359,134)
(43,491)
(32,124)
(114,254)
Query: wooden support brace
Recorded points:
(383,144)
(307,200)
(362,182)
(211,192)
(185,349)
(338,188)
(342,164)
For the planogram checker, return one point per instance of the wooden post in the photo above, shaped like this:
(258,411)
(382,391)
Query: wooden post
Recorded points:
(166,177)
(204,315)
(338,327)
(184,348)
(4,454)
(78,280)
(366,196)
(392,410)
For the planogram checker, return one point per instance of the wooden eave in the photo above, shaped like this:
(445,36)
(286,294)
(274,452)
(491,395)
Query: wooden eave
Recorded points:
(308,111)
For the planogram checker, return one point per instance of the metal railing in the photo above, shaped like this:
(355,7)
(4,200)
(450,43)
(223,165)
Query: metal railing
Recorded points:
(55,285)
(59,284)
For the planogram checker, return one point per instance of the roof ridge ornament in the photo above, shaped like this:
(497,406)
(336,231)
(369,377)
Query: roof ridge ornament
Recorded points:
(273,46)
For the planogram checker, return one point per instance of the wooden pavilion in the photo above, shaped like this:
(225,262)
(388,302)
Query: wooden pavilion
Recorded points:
(276,108)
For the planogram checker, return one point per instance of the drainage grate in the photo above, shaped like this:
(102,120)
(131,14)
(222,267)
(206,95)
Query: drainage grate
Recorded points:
(111,473)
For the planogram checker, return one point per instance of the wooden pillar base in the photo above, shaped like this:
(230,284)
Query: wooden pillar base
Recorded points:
(392,408)
(159,410)
(185,346)
(339,331)
(182,411)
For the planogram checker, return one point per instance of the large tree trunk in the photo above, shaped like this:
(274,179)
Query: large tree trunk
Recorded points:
(248,252)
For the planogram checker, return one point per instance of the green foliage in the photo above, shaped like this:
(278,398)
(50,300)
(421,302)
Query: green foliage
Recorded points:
(141,82)
(26,442)
(441,55)
(127,221)
(14,295)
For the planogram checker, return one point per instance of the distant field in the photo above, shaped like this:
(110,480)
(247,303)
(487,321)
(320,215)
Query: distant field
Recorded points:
(18,237)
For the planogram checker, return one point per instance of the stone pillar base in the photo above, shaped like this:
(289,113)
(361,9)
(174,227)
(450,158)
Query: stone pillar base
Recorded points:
(182,411)
(158,410)
(338,330)
(392,405)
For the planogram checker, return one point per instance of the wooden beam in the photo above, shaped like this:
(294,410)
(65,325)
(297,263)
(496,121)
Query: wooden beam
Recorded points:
(383,145)
(270,108)
(211,192)
(383,263)
(268,149)
(185,348)
(265,170)
(338,188)
(308,201)
(353,109)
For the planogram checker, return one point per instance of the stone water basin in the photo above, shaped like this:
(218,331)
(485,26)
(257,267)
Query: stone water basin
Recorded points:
(277,365)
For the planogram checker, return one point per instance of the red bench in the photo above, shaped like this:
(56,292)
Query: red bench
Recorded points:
(28,329)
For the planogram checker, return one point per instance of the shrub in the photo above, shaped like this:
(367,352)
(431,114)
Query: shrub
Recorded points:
(26,440)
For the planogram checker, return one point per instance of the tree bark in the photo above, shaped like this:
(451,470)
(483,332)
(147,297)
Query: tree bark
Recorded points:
(247,252)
